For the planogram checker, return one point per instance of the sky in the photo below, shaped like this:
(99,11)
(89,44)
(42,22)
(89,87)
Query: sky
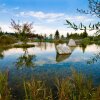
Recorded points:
(47,15)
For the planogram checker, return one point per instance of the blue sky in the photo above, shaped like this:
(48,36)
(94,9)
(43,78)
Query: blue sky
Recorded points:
(47,15)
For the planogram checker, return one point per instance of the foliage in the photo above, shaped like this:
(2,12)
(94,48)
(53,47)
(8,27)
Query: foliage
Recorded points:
(85,41)
(75,87)
(25,60)
(94,8)
(4,39)
(22,30)
(94,58)
(4,89)
(57,35)
(23,45)
(83,27)
(36,90)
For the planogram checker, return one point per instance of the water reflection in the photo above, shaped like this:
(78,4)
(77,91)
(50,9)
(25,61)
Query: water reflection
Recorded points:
(60,58)
(25,60)
(1,55)
(44,45)
(2,52)
(83,47)
(45,58)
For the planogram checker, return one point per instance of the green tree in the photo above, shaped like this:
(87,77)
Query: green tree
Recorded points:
(62,36)
(85,34)
(94,8)
(67,35)
(57,35)
(51,36)
(22,30)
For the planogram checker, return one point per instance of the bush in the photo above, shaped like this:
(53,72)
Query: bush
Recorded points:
(4,39)
(85,41)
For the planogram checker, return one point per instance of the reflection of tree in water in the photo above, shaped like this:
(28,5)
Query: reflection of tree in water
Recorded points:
(94,59)
(1,55)
(83,47)
(25,60)
(1,52)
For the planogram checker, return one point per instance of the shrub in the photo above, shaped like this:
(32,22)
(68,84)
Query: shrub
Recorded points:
(85,41)
(4,39)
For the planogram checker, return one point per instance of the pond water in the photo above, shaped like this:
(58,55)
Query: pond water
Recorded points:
(43,62)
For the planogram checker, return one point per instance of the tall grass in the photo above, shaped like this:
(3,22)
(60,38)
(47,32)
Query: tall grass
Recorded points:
(4,89)
(76,87)
(36,90)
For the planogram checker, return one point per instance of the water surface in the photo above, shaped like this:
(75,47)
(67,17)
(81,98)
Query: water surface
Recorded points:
(43,62)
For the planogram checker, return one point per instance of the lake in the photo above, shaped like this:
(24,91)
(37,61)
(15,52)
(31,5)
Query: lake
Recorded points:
(43,63)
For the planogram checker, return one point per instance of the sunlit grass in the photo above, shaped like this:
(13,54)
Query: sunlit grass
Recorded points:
(36,90)
(75,87)
(4,89)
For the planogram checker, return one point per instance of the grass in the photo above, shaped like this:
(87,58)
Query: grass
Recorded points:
(36,90)
(23,45)
(76,87)
(4,89)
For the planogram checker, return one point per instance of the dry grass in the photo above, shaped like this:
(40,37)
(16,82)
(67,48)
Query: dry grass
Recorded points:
(76,87)
(4,89)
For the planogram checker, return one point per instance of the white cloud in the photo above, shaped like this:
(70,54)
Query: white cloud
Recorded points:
(5,27)
(42,15)
(53,17)
(48,22)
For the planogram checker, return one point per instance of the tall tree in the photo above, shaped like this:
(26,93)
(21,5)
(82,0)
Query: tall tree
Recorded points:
(62,36)
(51,36)
(57,35)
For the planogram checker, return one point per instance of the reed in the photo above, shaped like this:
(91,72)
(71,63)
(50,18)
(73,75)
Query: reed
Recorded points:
(75,87)
(4,89)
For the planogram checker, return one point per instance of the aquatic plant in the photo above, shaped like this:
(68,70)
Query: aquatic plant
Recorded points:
(75,87)
(36,90)
(4,89)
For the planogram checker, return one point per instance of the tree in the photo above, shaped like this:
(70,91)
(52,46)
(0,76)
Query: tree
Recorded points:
(67,35)
(94,8)
(22,30)
(57,35)
(51,36)
(45,36)
(0,30)
(1,33)
(62,36)
(84,34)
